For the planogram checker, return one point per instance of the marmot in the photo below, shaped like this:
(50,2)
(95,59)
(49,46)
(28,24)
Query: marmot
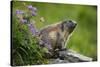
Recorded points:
(54,37)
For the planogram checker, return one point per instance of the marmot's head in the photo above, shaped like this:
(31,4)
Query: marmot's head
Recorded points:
(68,25)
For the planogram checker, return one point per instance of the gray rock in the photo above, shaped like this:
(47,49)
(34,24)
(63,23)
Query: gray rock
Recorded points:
(70,56)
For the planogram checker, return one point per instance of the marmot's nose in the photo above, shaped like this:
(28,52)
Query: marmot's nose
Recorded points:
(71,24)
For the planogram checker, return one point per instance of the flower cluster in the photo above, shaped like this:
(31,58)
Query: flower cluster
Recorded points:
(25,18)
(32,10)
(19,12)
(33,29)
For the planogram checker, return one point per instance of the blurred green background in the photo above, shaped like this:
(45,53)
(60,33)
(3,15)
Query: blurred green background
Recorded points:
(84,38)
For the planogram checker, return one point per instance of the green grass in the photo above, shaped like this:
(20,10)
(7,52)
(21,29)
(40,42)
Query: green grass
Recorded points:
(84,38)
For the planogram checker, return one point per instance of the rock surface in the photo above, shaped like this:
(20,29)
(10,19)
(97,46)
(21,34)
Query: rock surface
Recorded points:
(70,56)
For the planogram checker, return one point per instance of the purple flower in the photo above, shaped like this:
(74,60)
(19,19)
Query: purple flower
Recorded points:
(30,7)
(46,43)
(32,29)
(48,46)
(23,20)
(34,9)
(34,14)
(19,12)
